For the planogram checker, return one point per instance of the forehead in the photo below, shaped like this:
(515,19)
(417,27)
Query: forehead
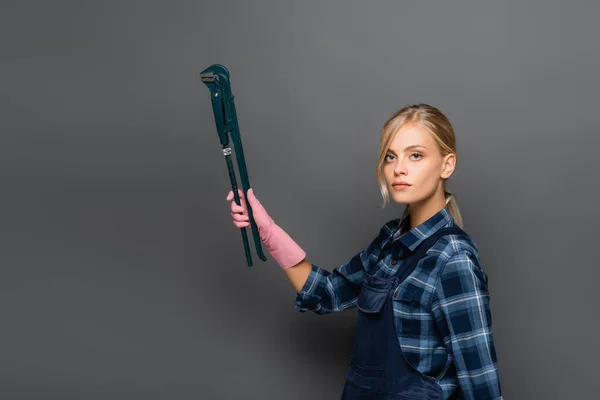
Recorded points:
(412,134)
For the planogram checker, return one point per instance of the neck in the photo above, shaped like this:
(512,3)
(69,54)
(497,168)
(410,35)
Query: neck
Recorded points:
(422,211)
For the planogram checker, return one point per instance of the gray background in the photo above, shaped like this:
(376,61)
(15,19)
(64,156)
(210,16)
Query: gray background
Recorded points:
(123,276)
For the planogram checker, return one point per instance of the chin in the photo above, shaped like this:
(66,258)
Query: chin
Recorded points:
(400,199)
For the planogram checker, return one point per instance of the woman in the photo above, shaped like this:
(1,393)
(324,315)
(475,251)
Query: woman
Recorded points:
(424,323)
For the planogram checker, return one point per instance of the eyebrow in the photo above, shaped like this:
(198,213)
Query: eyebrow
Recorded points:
(414,146)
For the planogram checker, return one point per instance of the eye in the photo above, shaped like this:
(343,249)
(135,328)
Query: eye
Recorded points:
(389,155)
(418,154)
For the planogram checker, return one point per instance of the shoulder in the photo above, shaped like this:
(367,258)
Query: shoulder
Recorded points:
(386,231)
(458,257)
(461,272)
(454,245)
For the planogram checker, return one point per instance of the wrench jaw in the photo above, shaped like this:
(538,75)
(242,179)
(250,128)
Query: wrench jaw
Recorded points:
(207,77)
(211,78)
(216,78)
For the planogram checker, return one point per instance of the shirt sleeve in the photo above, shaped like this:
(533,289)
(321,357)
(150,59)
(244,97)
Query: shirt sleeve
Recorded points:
(461,308)
(326,292)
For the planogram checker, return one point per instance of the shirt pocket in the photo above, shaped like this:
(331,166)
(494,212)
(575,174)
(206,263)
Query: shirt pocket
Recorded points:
(373,294)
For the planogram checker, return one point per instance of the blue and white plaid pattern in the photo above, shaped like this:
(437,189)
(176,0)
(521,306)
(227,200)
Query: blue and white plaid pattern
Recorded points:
(442,310)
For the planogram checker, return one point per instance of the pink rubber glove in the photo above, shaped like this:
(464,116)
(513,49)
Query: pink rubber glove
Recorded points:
(284,250)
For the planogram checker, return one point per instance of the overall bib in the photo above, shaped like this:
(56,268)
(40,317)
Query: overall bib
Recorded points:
(378,369)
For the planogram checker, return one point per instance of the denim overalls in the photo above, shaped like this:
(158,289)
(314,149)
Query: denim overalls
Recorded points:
(378,369)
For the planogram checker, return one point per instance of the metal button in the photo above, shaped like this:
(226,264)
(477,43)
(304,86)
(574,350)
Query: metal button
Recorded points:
(393,262)
(396,293)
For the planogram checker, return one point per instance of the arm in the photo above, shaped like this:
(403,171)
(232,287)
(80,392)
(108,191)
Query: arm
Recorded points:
(317,289)
(323,292)
(461,308)
(298,274)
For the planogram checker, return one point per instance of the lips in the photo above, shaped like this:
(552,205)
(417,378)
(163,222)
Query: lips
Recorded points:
(400,184)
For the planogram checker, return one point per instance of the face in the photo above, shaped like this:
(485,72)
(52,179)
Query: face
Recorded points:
(414,157)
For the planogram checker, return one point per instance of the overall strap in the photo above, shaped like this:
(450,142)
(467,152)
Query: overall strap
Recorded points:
(410,262)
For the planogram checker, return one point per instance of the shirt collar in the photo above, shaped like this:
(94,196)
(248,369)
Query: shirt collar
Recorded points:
(415,236)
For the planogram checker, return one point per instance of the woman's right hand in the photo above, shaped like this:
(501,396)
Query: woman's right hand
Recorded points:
(240,216)
(282,247)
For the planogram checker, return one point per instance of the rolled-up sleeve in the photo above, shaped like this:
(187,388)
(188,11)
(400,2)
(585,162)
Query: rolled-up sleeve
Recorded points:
(326,292)
(461,308)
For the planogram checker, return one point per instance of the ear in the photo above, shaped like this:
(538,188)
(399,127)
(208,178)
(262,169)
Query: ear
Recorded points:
(448,165)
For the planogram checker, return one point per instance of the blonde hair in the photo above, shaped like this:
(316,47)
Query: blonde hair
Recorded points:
(434,121)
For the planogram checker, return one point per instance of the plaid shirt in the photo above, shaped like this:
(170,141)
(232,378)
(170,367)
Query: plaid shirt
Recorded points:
(442,310)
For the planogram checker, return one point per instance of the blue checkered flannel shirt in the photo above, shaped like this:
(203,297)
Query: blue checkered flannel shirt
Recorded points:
(442,310)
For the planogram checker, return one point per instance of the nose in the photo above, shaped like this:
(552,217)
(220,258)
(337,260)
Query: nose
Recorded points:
(399,168)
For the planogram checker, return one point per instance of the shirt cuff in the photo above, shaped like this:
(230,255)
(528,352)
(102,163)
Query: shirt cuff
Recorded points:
(307,298)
